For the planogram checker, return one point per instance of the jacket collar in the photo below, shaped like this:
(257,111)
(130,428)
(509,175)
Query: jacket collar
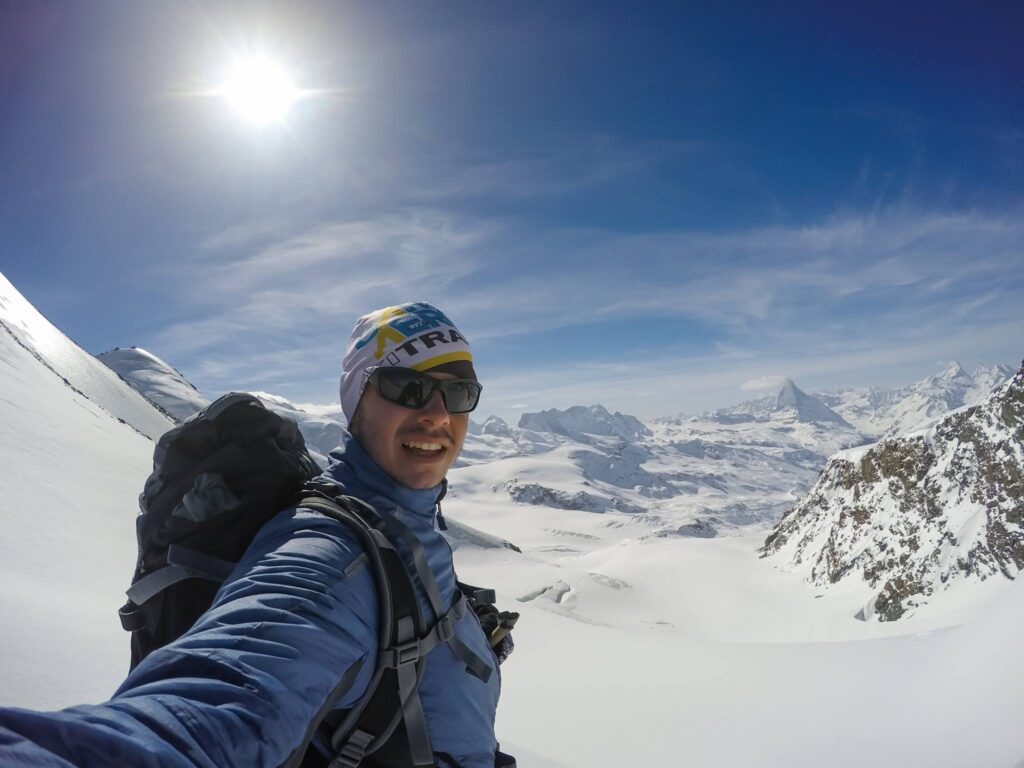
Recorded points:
(351,467)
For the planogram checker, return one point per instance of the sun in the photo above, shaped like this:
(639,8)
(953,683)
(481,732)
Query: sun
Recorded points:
(260,90)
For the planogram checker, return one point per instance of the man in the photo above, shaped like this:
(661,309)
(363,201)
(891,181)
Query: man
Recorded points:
(299,612)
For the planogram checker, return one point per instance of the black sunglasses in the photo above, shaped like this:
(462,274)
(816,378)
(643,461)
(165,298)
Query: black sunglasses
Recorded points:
(412,389)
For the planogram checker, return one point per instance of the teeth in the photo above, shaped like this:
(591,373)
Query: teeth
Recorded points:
(424,446)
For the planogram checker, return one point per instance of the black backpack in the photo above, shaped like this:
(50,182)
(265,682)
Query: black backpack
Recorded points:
(216,480)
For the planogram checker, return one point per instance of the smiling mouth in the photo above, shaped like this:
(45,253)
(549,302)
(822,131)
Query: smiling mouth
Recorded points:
(424,447)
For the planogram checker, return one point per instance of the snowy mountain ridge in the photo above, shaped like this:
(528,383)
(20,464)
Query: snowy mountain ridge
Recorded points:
(157,381)
(580,420)
(880,412)
(736,467)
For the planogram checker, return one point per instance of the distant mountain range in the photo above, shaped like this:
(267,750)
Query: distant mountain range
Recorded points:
(887,412)
(731,467)
(873,411)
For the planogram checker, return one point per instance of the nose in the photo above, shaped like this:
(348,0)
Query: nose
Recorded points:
(435,411)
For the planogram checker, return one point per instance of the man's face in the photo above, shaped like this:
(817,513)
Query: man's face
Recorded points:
(404,442)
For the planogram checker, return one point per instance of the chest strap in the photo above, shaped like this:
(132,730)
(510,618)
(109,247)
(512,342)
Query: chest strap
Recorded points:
(444,630)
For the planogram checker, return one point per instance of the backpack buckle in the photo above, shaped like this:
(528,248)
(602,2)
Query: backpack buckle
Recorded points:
(353,751)
(445,629)
(401,655)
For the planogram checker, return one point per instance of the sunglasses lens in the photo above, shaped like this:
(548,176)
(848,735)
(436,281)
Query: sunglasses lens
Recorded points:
(406,388)
(412,389)
(460,396)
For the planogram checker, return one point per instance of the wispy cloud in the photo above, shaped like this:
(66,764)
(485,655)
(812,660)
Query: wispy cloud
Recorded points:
(763,383)
(272,305)
(859,271)
(260,283)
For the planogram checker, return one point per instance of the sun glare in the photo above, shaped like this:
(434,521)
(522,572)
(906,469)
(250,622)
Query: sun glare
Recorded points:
(260,90)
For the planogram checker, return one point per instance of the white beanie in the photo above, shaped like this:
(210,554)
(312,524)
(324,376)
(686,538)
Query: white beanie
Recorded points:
(416,335)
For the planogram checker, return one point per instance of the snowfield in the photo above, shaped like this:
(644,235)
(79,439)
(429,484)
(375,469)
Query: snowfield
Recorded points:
(648,638)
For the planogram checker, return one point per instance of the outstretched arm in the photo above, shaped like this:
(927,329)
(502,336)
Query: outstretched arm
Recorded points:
(241,687)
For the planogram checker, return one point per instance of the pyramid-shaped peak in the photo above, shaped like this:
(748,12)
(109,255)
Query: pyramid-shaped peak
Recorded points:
(807,407)
(789,394)
(953,370)
(495,425)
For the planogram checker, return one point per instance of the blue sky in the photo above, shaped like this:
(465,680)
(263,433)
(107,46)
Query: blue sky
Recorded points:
(643,205)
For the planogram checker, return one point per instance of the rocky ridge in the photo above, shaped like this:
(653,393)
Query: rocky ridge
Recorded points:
(915,514)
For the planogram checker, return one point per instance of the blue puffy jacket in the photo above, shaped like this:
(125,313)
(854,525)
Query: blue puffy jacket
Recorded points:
(241,687)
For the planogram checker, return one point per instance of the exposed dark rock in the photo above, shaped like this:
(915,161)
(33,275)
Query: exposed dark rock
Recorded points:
(917,513)
(533,493)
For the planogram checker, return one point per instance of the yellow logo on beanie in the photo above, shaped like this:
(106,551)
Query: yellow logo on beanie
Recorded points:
(385,332)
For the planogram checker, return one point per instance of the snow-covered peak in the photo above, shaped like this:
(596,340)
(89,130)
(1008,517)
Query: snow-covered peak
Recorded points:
(789,395)
(951,377)
(495,425)
(789,403)
(164,386)
(322,433)
(155,380)
(986,378)
(580,420)
(953,370)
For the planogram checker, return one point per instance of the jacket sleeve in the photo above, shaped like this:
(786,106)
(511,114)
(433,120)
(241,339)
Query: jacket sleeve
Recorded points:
(241,687)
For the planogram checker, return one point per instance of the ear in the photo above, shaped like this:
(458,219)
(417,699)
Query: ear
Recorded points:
(354,425)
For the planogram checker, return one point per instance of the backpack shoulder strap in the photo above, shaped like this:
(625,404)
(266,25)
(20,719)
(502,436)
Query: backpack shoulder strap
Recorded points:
(391,697)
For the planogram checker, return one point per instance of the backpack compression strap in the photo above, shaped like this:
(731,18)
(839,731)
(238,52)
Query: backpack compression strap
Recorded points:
(182,563)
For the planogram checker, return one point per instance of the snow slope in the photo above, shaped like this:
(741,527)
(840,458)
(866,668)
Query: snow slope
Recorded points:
(21,321)
(591,697)
(70,474)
